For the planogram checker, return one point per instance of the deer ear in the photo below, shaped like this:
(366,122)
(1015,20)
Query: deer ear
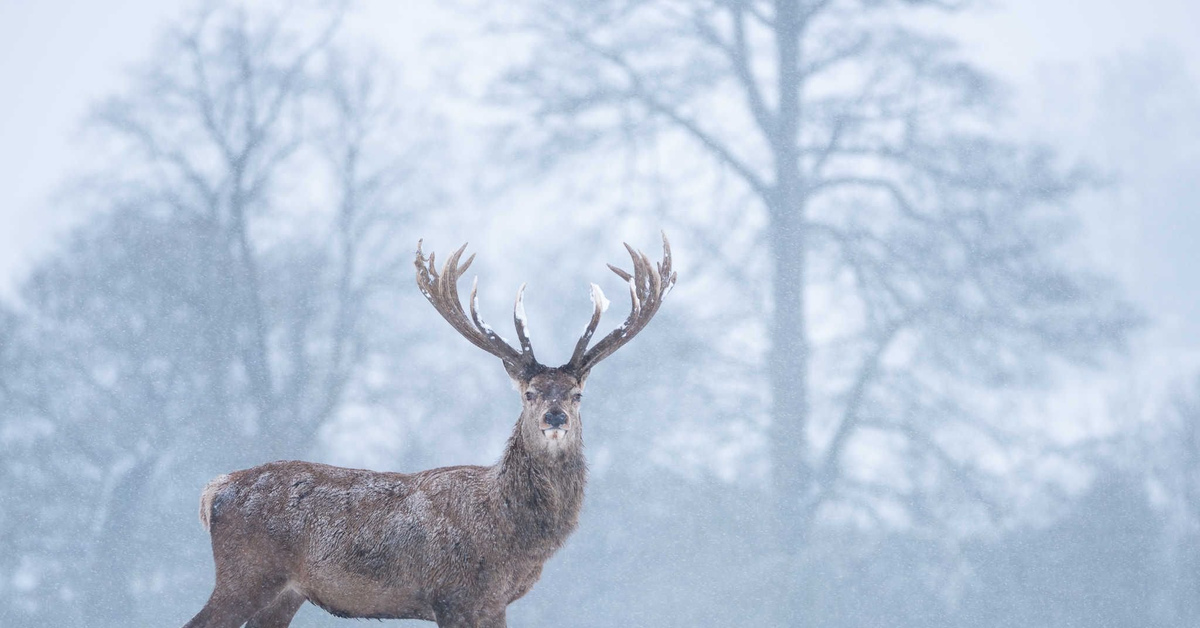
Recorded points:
(522,374)
(516,374)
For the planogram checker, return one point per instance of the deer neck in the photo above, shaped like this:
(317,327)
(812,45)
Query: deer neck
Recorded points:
(542,490)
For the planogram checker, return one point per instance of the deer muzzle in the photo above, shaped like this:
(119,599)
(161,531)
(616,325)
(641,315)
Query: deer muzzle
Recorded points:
(554,424)
(555,419)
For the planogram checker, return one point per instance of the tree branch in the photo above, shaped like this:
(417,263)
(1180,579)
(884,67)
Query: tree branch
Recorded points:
(639,91)
(739,58)
(903,203)
(828,470)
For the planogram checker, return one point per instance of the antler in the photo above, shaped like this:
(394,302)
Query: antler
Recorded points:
(442,291)
(647,289)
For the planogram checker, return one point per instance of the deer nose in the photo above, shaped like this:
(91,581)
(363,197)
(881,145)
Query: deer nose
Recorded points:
(556,418)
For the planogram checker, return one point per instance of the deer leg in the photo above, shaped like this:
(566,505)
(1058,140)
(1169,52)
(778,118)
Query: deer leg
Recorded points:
(230,604)
(280,612)
(469,619)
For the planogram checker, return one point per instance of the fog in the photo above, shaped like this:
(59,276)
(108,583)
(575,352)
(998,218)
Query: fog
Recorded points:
(931,359)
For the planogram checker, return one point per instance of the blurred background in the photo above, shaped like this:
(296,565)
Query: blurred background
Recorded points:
(932,360)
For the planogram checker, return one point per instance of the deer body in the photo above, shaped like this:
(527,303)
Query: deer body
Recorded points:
(454,545)
(395,545)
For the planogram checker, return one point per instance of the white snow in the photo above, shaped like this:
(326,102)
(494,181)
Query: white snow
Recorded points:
(519,311)
(475,308)
(598,298)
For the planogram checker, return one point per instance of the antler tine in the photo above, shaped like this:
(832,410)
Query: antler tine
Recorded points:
(482,326)
(522,323)
(652,279)
(599,305)
(648,284)
(441,290)
(475,305)
(645,281)
(664,268)
(449,305)
(449,281)
(635,299)
(422,269)
(620,273)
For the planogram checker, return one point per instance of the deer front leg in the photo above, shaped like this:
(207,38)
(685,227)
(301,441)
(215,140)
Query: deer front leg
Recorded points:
(495,621)
(280,612)
(231,605)
(454,618)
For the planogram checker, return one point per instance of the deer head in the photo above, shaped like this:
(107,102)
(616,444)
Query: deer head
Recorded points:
(550,395)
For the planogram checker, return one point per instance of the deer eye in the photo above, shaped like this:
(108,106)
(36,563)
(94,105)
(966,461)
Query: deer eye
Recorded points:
(528,396)
(577,397)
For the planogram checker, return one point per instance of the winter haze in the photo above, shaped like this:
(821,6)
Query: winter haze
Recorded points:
(933,357)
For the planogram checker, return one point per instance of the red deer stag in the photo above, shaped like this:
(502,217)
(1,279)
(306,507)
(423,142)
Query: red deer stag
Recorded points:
(454,545)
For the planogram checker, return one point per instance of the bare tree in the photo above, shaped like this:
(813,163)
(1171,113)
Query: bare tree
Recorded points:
(228,282)
(869,166)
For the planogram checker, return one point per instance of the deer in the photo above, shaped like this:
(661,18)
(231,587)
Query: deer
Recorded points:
(454,545)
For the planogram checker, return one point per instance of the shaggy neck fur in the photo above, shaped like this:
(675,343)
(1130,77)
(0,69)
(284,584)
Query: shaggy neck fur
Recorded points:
(542,489)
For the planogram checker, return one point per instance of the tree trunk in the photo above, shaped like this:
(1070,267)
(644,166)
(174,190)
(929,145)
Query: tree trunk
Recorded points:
(791,471)
(789,358)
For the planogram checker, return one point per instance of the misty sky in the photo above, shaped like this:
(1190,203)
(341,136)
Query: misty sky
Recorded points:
(58,57)
(907,424)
